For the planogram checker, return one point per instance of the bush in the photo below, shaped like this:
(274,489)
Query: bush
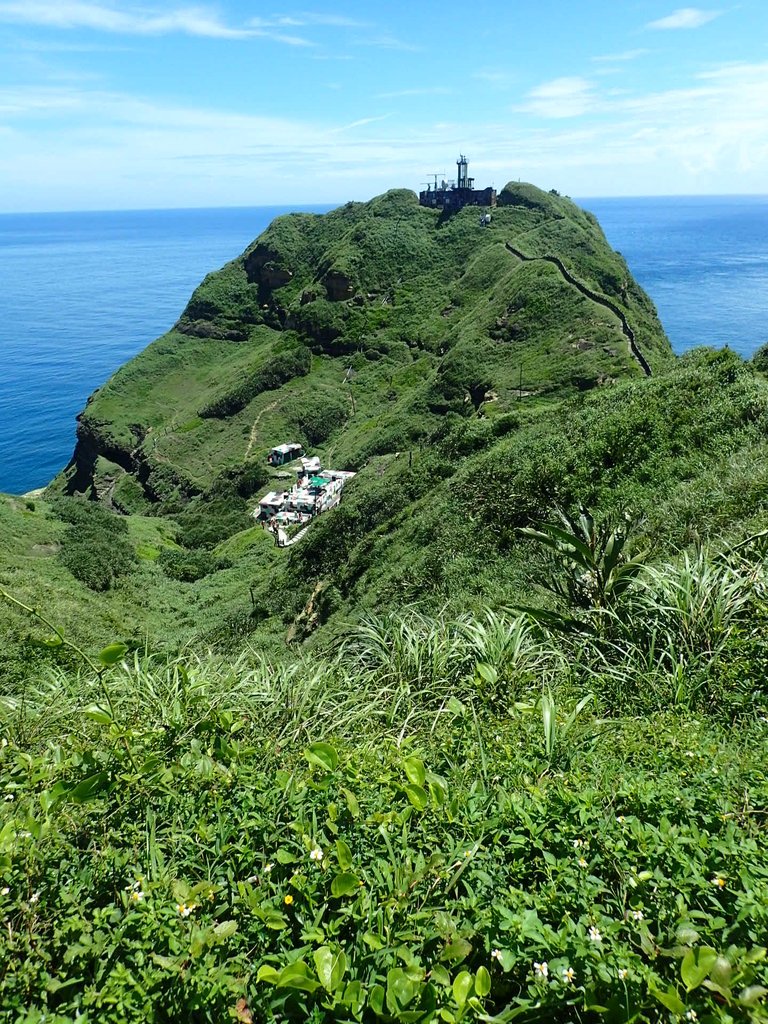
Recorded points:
(95,548)
(279,369)
(205,523)
(188,566)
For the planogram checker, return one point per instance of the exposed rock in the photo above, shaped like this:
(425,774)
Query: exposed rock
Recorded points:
(338,286)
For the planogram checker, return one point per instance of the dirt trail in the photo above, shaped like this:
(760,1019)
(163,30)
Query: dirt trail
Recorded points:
(601,300)
(254,428)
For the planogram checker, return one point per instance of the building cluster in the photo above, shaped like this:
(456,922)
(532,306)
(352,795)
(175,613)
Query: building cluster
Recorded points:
(315,491)
(454,195)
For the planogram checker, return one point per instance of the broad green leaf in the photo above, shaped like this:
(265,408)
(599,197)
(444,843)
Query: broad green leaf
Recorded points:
(487,672)
(112,654)
(352,805)
(482,982)
(354,997)
(752,995)
(98,714)
(268,974)
(440,976)
(401,990)
(89,788)
(343,855)
(345,884)
(696,966)
(376,1000)
(670,999)
(297,975)
(414,769)
(224,930)
(322,755)
(331,966)
(417,796)
(462,987)
(456,950)
(52,641)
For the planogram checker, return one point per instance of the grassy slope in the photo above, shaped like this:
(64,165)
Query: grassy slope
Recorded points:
(439,307)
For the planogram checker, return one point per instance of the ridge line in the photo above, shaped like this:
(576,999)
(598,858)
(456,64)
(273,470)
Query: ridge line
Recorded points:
(601,300)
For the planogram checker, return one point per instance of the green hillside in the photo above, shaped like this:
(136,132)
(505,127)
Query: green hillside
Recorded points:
(487,742)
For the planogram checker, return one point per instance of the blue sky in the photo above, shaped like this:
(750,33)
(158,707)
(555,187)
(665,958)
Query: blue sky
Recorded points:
(114,104)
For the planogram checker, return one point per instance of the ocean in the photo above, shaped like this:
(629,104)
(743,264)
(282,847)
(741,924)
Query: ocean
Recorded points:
(83,292)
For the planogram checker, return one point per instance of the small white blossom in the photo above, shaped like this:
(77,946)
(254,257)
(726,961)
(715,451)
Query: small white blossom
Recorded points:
(541,970)
(496,954)
(621,819)
(623,972)
(569,975)
(34,897)
(691,1015)
(578,843)
(5,890)
(268,868)
(137,896)
(185,909)
(594,934)
(582,862)
(719,881)
(316,854)
(9,797)
(637,915)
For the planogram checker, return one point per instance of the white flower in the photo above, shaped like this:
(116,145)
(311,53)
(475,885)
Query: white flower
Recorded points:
(268,868)
(569,975)
(691,1015)
(137,896)
(185,909)
(623,972)
(5,890)
(316,854)
(496,954)
(577,843)
(34,897)
(9,797)
(541,970)
(621,819)
(637,915)
(719,881)
(582,862)
(594,934)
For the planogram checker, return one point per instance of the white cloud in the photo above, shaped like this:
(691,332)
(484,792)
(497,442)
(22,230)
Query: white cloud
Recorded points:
(81,14)
(560,97)
(620,58)
(685,17)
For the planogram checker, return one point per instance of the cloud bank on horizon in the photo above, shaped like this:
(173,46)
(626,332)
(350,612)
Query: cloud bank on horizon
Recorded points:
(108,104)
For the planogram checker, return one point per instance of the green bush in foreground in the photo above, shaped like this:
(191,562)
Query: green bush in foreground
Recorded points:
(469,846)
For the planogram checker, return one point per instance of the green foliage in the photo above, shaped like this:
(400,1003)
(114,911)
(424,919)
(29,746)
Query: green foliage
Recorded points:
(278,369)
(205,522)
(188,566)
(95,548)
(426,865)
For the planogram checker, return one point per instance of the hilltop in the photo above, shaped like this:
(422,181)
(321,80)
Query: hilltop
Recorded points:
(360,330)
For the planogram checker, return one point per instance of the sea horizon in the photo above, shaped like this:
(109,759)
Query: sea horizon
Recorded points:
(333,204)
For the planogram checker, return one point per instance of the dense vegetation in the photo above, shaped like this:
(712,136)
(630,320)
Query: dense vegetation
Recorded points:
(489,744)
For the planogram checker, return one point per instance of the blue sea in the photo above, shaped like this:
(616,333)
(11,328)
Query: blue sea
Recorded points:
(83,292)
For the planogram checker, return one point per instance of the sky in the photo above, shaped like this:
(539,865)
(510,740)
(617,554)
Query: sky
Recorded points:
(115,104)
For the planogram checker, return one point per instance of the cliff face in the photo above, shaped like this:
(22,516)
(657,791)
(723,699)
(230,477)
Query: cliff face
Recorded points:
(361,328)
